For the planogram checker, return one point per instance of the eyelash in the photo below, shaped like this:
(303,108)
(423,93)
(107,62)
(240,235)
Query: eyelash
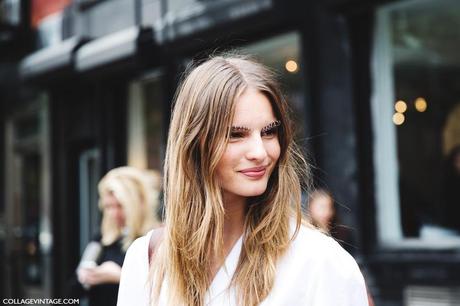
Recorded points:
(268,132)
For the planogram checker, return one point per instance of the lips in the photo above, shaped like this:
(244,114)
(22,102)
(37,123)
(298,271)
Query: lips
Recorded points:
(256,172)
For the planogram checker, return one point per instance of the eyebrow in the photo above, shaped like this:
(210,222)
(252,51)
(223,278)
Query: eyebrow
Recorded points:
(269,126)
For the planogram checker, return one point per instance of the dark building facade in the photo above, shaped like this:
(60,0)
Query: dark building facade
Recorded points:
(87,86)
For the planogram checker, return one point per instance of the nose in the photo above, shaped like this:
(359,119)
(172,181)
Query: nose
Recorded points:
(256,149)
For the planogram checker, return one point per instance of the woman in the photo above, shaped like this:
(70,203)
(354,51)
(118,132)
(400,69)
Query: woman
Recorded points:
(233,230)
(128,201)
(322,214)
(321,210)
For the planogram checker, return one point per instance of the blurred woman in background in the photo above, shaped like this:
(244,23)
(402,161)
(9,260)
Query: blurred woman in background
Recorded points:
(129,200)
(323,215)
(321,210)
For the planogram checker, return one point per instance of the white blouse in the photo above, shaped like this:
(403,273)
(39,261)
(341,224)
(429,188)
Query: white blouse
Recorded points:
(315,271)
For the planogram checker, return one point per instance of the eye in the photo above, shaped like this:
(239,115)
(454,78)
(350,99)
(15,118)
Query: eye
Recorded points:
(236,135)
(237,132)
(269,133)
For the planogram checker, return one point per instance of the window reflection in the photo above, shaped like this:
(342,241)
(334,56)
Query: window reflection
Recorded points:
(420,89)
(146,143)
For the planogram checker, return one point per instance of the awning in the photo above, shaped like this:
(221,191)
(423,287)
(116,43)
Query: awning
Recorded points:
(118,46)
(49,59)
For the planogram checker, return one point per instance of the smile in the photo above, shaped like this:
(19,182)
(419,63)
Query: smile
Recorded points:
(254,173)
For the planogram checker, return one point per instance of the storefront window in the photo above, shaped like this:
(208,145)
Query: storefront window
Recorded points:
(146,143)
(416,116)
(28,244)
(89,173)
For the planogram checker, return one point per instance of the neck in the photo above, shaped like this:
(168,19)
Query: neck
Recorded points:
(235,212)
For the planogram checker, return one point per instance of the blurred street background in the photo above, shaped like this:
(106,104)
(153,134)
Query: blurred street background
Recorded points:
(374,88)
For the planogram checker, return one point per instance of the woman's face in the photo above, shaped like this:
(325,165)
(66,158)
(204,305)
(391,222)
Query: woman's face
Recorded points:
(113,209)
(322,209)
(253,149)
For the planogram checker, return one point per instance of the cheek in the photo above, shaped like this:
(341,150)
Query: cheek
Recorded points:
(274,150)
(228,161)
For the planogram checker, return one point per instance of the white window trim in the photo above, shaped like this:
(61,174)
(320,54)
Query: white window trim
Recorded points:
(385,149)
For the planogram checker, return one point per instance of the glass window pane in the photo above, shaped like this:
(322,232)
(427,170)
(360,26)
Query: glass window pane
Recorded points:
(156,144)
(416,115)
(146,143)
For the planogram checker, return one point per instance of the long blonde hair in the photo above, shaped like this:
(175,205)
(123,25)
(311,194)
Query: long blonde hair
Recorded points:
(194,211)
(138,193)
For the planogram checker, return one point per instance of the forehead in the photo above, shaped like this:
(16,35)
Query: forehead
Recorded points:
(252,109)
(109,198)
(322,199)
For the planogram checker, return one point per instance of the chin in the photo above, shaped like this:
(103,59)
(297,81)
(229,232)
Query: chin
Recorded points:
(254,191)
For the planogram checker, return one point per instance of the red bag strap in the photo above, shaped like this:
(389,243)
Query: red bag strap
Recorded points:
(155,240)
